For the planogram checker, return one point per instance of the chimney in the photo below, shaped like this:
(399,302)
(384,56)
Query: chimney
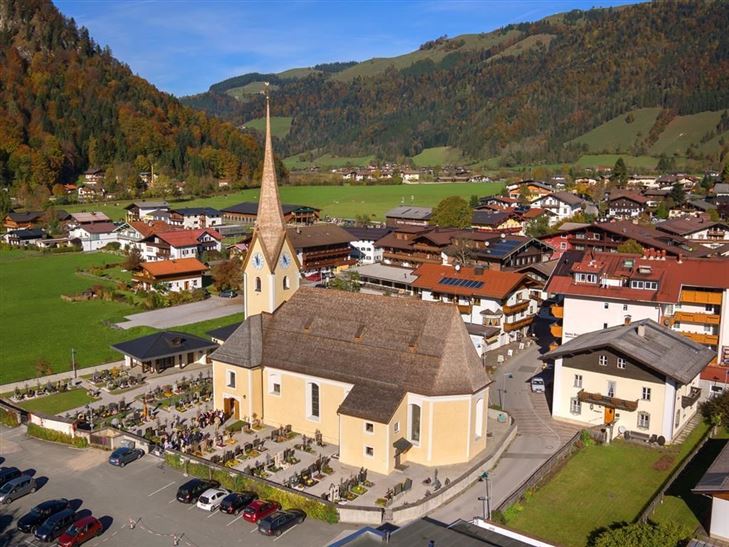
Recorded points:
(641,330)
(627,321)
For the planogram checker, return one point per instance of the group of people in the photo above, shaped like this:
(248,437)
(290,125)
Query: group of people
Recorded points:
(186,437)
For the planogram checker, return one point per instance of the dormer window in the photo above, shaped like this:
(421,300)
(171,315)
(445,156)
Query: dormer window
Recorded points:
(585,278)
(647,285)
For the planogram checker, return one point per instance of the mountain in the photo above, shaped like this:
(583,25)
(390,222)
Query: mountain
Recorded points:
(523,93)
(66,105)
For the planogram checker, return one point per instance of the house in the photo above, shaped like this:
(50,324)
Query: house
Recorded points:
(93,176)
(531,188)
(715,485)
(21,221)
(161,350)
(496,306)
(25,237)
(322,248)
(365,251)
(193,218)
(626,204)
(246,213)
(382,279)
(410,176)
(668,181)
(131,234)
(640,380)
(180,244)
(490,221)
(139,209)
(721,190)
(94,236)
(221,334)
(90,193)
(501,202)
(699,228)
(157,215)
(176,275)
(562,204)
(95,217)
(411,216)
(655,196)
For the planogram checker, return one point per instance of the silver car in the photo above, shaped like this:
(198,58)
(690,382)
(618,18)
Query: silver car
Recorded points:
(537,385)
(17,488)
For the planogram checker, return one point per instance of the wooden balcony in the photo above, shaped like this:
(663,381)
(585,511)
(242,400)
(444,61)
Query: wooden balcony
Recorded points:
(516,325)
(701,338)
(516,308)
(557,311)
(691,296)
(555,330)
(691,398)
(465,308)
(700,318)
(604,400)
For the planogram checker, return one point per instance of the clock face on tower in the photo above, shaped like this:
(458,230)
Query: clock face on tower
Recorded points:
(285,260)
(258,261)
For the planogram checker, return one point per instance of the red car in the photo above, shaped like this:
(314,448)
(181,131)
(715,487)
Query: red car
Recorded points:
(81,531)
(260,509)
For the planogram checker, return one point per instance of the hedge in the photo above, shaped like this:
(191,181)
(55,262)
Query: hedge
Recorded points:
(9,419)
(56,436)
(237,482)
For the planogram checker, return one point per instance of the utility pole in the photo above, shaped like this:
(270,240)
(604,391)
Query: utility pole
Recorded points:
(486,499)
(73,362)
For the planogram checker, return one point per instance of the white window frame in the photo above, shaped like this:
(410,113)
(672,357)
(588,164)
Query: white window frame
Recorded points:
(621,362)
(645,394)
(575,406)
(230,378)
(644,420)
(578,380)
(602,360)
(396,427)
(274,379)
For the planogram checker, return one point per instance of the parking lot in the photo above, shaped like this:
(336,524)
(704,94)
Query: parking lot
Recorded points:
(136,503)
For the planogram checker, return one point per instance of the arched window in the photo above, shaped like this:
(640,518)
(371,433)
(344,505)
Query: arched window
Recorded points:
(258,284)
(415,423)
(479,419)
(286,283)
(312,400)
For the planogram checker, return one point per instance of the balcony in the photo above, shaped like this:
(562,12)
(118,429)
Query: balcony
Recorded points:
(557,311)
(691,398)
(609,402)
(701,338)
(516,308)
(700,297)
(465,308)
(516,325)
(700,318)
(555,330)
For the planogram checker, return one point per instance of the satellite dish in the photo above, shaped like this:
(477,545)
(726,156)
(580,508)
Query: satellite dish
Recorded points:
(458,267)
(621,429)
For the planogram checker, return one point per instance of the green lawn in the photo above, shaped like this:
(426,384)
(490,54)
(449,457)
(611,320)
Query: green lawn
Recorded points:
(327,161)
(37,324)
(617,135)
(683,131)
(608,160)
(335,201)
(58,402)
(599,486)
(280,125)
(438,156)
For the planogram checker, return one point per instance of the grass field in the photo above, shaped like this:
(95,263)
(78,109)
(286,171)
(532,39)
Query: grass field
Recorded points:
(599,486)
(246,92)
(58,402)
(683,131)
(335,201)
(608,160)
(617,135)
(438,155)
(328,161)
(280,125)
(522,46)
(37,324)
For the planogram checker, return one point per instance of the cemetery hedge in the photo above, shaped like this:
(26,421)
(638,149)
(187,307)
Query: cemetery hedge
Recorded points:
(55,436)
(236,481)
(8,419)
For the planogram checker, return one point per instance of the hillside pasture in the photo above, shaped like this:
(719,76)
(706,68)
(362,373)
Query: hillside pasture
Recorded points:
(280,125)
(438,156)
(522,46)
(684,131)
(327,161)
(608,160)
(617,135)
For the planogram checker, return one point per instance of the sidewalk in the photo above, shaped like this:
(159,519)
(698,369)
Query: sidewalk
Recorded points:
(59,376)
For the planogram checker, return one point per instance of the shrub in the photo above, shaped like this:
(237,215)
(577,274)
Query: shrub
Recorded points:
(9,419)
(56,436)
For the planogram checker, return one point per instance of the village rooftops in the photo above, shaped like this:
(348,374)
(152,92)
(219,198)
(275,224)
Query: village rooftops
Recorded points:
(88,218)
(146,229)
(251,208)
(186,238)
(688,226)
(468,281)
(654,346)
(367,234)
(570,198)
(175,267)
(410,213)
(318,235)
(716,478)
(148,205)
(99,227)
(629,195)
(163,344)
(383,272)
(197,211)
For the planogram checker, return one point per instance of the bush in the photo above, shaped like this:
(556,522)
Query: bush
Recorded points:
(642,534)
(9,419)
(56,436)
(235,426)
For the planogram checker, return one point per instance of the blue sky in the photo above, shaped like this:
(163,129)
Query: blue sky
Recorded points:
(183,46)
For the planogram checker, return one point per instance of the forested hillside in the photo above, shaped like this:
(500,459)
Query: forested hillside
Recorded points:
(523,93)
(66,105)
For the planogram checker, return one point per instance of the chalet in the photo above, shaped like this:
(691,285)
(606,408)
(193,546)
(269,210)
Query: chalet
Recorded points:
(130,234)
(715,485)
(562,204)
(626,204)
(322,248)
(411,216)
(641,377)
(180,244)
(496,306)
(24,220)
(496,221)
(410,176)
(161,350)
(501,202)
(532,188)
(80,219)
(697,228)
(245,213)
(654,196)
(139,209)
(24,237)
(364,249)
(668,181)
(184,274)
(93,176)
(193,218)
(94,236)
(90,193)
(157,215)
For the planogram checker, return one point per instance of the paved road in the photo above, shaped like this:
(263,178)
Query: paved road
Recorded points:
(165,318)
(140,490)
(59,376)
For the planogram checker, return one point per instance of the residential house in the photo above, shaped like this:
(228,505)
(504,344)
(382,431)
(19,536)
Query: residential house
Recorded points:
(563,205)
(25,237)
(496,306)
(721,190)
(699,228)
(365,251)
(383,279)
(501,202)
(176,275)
(139,209)
(180,244)
(640,380)
(668,181)
(714,484)
(410,176)
(655,196)
(496,221)
(161,350)
(93,176)
(410,216)
(531,188)
(623,204)
(193,218)
(246,213)
(22,220)
(90,193)
(94,217)
(322,248)
(131,234)
(93,236)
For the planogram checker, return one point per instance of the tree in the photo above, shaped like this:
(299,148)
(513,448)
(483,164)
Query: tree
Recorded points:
(227,274)
(452,211)
(538,227)
(716,409)
(662,210)
(641,534)
(524,195)
(133,261)
(348,281)
(666,164)
(474,201)
(4,202)
(630,246)
(724,176)
(362,220)
(620,173)
(678,194)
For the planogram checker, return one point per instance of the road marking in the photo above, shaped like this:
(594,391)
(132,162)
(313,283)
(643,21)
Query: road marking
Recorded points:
(212,513)
(192,506)
(286,532)
(173,500)
(235,519)
(160,489)
(255,529)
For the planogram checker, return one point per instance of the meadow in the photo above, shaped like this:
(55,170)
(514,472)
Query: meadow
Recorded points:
(617,134)
(37,324)
(280,125)
(334,201)
(438,156)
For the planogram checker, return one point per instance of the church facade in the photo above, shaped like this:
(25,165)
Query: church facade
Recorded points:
(388,380)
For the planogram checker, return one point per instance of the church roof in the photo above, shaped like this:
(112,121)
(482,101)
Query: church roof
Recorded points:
(382,345)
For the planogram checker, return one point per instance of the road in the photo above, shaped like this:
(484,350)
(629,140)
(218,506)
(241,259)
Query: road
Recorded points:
(165,318)
(142,492)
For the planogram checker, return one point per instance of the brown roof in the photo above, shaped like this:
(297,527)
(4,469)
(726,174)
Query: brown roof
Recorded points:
(627,194)
(177,266)
(493,283)
(149,228)
(99,228)
(187,238)
(387,346)
(318,235)
(687,226)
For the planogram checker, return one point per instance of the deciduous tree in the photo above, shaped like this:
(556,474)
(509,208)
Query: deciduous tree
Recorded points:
(630,246)
(453,212)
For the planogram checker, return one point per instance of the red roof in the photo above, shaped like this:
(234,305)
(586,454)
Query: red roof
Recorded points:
(627,194)
(716,373)
(187,238)
(179,266)
(495,284)
(149,228)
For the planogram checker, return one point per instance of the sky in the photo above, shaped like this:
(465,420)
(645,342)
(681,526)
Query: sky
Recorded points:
(183,46)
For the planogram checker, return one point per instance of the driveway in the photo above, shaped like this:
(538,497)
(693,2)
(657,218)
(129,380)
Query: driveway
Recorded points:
(143,492)
(184,314)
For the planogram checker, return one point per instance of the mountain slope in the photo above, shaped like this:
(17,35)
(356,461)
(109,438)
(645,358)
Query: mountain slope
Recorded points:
(521,93)
(66,104)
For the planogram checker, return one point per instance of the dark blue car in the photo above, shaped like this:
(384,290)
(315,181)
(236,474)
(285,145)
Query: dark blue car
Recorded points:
(55,525)
(124,455)
(38,515)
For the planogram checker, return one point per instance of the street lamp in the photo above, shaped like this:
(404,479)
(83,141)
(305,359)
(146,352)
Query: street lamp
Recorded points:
(486,499)
(90,414)
(73,362)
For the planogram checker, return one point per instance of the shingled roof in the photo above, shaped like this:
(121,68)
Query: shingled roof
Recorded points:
(659,348)
(386,346)
(163,344)
(716,478)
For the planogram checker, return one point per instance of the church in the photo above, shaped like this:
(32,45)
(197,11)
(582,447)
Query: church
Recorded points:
(389,380)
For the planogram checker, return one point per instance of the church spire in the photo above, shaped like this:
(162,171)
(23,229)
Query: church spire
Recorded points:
(270,225)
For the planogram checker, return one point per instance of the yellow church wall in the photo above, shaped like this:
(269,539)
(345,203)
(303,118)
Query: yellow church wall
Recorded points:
(247,390)
(354,442)
(273,292)
(450,432)
(478,442)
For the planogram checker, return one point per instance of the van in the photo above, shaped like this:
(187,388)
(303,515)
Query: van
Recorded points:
(537,385)
(17,488)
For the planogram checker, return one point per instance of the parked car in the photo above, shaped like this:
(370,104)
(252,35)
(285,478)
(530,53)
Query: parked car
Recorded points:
(210,499)
(124,455)
(37,516)
(537,385)
(8,474)
(230,293)
(191,490)
(55,525)
(81,531)
(235,502)
(280,521)
(17,488)
(260,509)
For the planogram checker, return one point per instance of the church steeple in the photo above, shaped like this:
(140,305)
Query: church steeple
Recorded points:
(270,226)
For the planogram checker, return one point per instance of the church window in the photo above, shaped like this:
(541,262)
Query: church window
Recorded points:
(479,418)
(415,423)
(313,401)
(258,284)
(286,283)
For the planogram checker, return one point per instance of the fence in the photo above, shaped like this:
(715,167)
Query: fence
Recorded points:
(544,471)
(658,498)
(21,415)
